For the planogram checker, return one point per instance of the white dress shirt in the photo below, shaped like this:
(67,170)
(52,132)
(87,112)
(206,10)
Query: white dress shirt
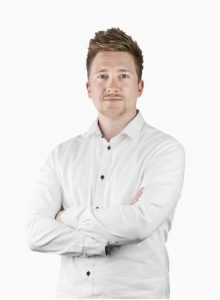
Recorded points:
(109,248)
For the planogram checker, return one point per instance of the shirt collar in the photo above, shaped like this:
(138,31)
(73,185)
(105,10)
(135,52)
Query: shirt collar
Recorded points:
(132,129)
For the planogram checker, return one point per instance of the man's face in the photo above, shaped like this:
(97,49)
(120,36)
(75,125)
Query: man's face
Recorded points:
(113,84)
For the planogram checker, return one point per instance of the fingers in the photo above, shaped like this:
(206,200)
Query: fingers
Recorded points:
(141,191)
(137,196)
(58,216)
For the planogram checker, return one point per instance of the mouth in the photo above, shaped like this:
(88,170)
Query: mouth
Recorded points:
(112,99)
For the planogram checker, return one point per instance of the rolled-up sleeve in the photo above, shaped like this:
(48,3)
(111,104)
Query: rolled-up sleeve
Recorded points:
(162,181)
(43,232)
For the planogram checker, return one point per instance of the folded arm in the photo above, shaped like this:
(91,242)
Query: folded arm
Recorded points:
(44,233)
(120,224)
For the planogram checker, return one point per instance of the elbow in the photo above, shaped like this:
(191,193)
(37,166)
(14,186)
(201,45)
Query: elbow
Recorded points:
(142,229)
(136,231)
(31,235)
(140,233)
(31,242)
(32,245)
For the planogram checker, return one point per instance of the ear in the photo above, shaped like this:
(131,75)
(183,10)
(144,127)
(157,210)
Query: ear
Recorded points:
(88,87)
(140,87)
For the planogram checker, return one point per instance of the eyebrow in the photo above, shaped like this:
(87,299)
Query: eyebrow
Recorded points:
(119,70)
(123,70)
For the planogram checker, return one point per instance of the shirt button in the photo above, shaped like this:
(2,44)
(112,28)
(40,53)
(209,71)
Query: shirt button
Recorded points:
(96,207)
(88,273)
(102,177)
(109,147)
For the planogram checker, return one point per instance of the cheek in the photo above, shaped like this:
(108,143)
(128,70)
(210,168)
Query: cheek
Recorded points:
(130,88)
(96,92)
(97,88)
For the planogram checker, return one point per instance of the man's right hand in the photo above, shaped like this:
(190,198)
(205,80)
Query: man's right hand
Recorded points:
(58,216)
(137,196)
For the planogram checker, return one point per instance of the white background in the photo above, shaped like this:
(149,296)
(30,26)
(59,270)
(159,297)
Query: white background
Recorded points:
(43,101)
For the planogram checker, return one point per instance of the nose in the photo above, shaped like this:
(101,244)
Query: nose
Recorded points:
(112,90)
(112,87)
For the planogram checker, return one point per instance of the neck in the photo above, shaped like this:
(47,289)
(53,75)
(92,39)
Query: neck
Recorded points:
(111,127)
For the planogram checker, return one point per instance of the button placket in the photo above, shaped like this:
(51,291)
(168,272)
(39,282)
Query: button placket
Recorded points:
(87,271)
(105,163)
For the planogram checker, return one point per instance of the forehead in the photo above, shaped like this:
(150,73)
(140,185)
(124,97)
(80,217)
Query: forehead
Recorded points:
(113,59)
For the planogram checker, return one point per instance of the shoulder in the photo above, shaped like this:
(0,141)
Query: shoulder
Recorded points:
(159,141)
(68,148)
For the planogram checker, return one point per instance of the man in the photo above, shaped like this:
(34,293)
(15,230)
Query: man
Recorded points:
(105,199)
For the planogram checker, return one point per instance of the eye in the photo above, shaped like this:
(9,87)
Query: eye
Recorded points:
(103,76)
(124,75)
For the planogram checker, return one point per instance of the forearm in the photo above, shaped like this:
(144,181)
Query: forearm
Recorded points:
(121,224)
(45,234)
(81,218)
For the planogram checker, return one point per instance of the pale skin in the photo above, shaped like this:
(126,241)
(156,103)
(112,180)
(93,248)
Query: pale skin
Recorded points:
(114,88)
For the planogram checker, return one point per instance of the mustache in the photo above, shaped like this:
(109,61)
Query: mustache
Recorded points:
(113,96)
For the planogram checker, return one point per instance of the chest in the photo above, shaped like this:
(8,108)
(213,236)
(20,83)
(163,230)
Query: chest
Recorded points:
(103,174)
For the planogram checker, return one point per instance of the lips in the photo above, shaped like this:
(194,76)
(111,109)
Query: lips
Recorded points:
(112,99)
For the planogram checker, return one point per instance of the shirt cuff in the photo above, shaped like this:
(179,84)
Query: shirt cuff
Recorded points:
(97,248)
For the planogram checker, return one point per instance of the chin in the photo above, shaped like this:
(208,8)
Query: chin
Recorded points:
(111,113)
